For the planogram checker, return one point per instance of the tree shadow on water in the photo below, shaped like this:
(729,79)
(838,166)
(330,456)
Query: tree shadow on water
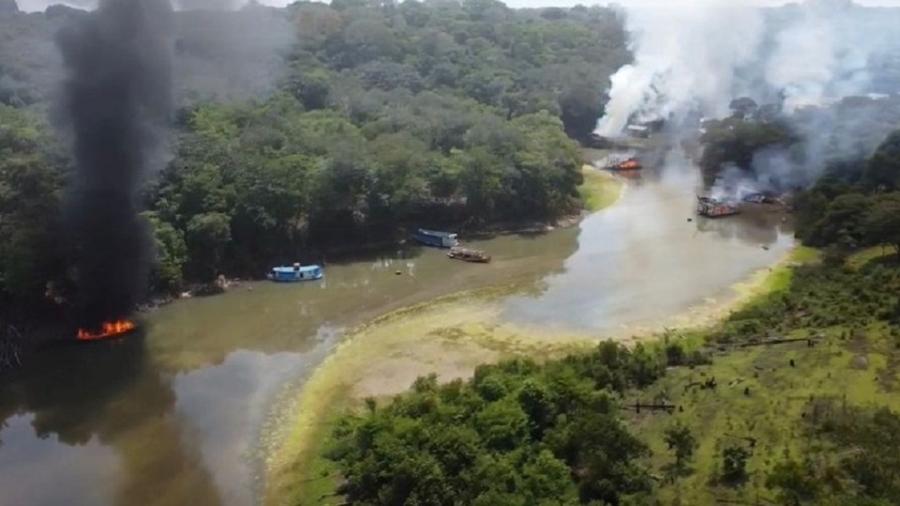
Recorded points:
(111,391)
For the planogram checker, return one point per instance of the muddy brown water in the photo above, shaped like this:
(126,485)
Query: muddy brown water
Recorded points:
(173,414)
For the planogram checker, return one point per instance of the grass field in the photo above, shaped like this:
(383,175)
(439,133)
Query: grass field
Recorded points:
(599,190)
(763,400)
(760,402)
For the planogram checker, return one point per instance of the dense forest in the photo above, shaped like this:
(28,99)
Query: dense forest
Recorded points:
(753,410)
(375,117)
(520,433)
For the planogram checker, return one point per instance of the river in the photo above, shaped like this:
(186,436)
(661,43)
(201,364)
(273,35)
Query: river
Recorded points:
(173,415)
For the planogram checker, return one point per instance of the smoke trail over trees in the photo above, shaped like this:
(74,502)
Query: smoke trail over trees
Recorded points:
(115,100)
(697,57)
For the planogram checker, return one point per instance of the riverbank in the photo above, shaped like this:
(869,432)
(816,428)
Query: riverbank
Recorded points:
(770,399)
(790,399)
(449,337)
(217,369)
(600,189)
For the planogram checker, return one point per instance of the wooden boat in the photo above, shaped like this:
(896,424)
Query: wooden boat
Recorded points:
(713,208)
(469,255)
(627,165)
(761,198)
(435,239)
(295,273)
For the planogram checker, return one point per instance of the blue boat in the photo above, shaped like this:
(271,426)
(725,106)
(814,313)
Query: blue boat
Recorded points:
(296,272)
(435,239)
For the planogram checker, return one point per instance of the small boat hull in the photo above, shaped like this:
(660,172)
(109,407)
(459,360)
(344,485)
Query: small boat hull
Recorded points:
(296,274)
(625,166)
(712,208)
(469,255)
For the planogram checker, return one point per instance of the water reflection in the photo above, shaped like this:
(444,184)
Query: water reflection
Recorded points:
(222,406)
(61,465)
(96,401)
(173,417)
(650,256)
(757,224)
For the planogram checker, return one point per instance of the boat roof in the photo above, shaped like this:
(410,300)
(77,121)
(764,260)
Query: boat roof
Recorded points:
(436,233)
(290,268)
(459,249)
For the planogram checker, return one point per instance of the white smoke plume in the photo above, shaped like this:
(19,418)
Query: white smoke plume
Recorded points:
(695,58)
(686,58)
(41,5)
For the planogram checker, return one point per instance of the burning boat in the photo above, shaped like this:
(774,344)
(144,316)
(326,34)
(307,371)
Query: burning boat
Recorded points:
(107,330)
(469,255)
(714,208)
(295,273)
(628,164)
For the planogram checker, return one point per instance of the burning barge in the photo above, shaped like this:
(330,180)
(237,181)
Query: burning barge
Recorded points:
(714,208)
(718,208)
(107,330)
(623,164)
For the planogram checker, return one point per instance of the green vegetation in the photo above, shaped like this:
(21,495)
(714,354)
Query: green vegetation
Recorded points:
(386,116)
(511,435)
(256,183)
(773,407)
(599,190)
(857,201)
(854,206)
(29,212)
(778,422)
(790,400)
(735,141)
(679,438)
(841,139)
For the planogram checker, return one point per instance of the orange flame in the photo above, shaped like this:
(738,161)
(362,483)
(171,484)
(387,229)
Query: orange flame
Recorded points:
(630,164)
(107,330)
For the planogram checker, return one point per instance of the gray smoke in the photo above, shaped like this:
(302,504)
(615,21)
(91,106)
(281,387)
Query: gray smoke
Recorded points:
(41,5)
(686,59)
(228,55)
(116,101)
(829,68)
(221,53)
(697,57)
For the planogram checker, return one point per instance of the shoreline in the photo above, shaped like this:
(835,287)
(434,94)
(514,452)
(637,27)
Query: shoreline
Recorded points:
(325,392)
(453,335)
(448,336)
(43,334)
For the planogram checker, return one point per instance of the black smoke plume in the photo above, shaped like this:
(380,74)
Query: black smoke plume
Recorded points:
(115,103)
